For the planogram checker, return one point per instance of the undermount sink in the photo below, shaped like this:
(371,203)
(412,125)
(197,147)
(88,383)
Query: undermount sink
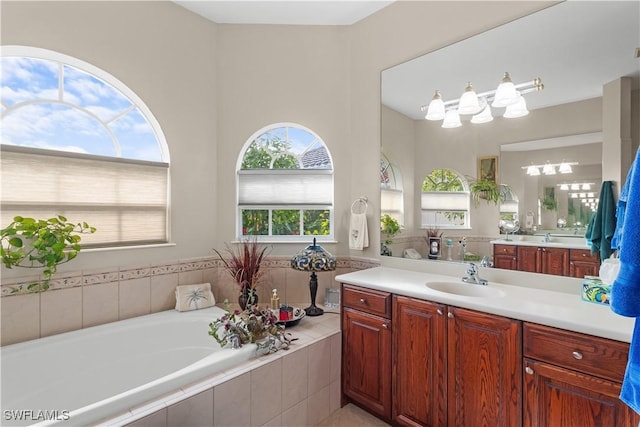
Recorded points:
(466,289)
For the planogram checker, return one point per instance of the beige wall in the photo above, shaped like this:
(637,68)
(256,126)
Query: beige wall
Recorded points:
(211,86)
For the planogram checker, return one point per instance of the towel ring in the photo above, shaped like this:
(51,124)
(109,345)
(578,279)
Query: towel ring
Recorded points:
(360,205)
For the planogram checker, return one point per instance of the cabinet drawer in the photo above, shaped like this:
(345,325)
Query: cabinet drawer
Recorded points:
(583,255)
(367,300)
(584,353)
(504,250)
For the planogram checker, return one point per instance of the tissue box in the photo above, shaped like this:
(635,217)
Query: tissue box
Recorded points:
(595,290)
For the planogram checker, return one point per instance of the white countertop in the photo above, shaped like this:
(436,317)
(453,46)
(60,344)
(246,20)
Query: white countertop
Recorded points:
(558,309)
(571,243)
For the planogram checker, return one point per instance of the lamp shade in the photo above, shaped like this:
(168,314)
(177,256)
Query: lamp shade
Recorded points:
(483,117)
(518,109)
(565,168)
(313,258)
(506,93)
(435,111)
(533,170)
(451,120)
(469,101)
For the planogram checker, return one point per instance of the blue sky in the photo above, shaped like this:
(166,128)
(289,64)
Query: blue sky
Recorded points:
(77,112)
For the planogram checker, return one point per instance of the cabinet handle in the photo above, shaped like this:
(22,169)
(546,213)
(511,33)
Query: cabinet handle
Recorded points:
(528,370)
(584,254)
(450,315)
(363,301)
(439,312)
(384,325)
(577,355)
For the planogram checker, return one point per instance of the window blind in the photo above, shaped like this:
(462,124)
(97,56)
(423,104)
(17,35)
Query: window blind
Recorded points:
(127,201)
(285,187)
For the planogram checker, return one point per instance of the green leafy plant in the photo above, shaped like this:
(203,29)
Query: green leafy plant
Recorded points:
(390,227)
(253,325)
(487,190)
(549,204)
(41,243)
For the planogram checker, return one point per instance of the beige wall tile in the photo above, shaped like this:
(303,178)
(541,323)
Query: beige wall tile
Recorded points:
(163,296)
(99,304)
(274,422)
(190,277)
(336,356)
(296,416)
(60,311)
(335,396)
(230,402)
(196,411)
(266,392)
(319,365)
(134,298)
(318,406)
(20,318)
(157,419)
(297,287)
(295,378)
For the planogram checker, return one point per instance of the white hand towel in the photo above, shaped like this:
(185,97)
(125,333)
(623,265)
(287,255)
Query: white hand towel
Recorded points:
(358,234)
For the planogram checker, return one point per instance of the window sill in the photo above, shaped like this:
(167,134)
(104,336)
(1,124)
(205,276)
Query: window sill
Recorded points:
(120,248)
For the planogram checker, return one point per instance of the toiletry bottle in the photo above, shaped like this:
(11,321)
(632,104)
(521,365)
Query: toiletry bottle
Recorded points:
(275,300)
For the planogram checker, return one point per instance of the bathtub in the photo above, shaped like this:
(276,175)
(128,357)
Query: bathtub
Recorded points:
(80,377)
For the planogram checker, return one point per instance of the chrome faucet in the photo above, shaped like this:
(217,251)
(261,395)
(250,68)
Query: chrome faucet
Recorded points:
(473,276)
(546,238)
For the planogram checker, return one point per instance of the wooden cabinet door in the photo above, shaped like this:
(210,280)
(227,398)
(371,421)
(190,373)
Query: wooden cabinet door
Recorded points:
(484,370)
(366,358)
(560,397)
(554,261)
(528,259)
(583,263)
(419,363)
(508,262)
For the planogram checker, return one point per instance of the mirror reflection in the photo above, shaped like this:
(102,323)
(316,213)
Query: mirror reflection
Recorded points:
(563,126)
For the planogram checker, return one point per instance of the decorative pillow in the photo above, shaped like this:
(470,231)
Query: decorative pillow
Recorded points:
(194,297)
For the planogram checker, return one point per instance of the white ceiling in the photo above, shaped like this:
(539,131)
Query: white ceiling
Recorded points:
(292,12)
(574,47)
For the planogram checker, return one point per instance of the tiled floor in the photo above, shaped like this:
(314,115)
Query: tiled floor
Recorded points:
(352,416)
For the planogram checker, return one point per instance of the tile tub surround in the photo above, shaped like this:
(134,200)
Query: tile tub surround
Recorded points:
(296,387)
(82,299)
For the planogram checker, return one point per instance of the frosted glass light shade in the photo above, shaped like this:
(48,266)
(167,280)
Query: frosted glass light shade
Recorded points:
(435,111)
(533,171)
(519,109)
(451,120)
(469,103)
(484,116)
(575,187)
(564,187)
(586,187)
(565,168)
(549,169)
(506,93)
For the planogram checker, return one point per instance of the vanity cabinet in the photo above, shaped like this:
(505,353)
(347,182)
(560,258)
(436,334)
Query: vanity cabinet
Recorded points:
(453,366)
(583,263)
(535,259)
(573,380)
(366,348)
(505,256)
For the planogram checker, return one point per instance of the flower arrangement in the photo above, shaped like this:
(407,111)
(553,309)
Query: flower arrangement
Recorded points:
(253,325)
(243,265)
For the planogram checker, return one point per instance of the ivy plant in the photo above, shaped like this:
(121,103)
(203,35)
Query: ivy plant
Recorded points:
(41,243)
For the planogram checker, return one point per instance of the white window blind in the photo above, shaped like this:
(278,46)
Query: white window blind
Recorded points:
(125,200)
(285,187)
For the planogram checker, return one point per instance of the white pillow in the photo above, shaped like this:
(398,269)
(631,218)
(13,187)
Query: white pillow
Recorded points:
(194,297)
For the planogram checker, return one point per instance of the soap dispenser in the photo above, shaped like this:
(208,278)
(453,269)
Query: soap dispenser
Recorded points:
(275,300)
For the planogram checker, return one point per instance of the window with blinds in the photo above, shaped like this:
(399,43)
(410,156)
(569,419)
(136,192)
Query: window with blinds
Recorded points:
(79,143)
(285,185)
(445,200)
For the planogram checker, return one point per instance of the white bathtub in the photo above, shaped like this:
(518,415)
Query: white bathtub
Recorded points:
(84,376)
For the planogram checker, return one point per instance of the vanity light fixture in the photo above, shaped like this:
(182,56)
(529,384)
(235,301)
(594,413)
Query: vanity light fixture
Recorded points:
(550,169)
(479,105)
(451,119)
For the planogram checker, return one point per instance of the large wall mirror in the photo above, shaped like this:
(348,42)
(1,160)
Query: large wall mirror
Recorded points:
(575,49)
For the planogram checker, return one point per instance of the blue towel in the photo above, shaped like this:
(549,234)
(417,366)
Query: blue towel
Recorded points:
(603,225)
(625,293)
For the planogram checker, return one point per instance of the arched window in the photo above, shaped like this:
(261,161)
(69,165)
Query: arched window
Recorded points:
(285,185)
(445,200)
(77,142)
(391,190)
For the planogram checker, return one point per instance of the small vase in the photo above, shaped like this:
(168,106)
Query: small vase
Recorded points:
(247,297)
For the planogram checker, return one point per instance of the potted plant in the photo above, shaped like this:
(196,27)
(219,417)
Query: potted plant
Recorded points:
(485,189)
(389,227)
(41,243)
(243,265)
(550,204)
(252,325)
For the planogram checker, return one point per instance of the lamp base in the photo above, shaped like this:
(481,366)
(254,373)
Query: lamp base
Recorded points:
(314,311)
